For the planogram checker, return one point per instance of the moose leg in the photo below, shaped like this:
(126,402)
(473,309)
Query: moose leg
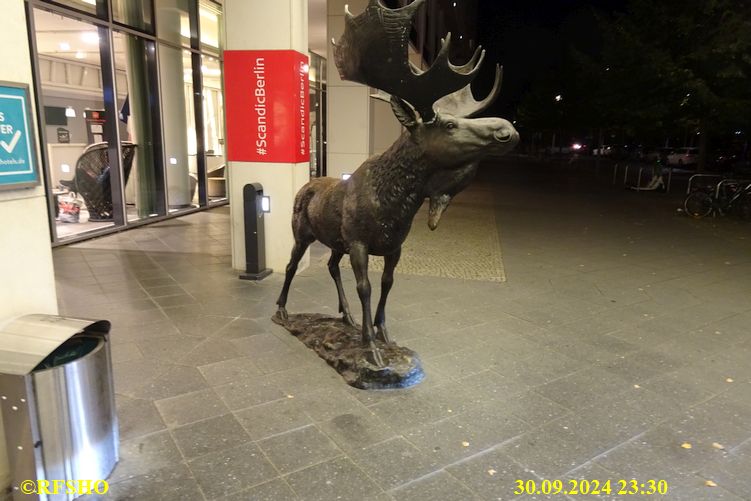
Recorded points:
(298,251)
(358,255)
(387,280)
(336,275)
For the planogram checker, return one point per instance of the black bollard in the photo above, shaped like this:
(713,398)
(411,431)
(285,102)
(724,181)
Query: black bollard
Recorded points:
(255,243)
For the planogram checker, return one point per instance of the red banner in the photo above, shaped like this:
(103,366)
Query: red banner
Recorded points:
(266,105)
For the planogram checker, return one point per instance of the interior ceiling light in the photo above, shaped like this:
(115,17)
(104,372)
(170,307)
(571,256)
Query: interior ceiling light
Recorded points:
(80,55)
(90,2)
(64,46)
(90,37)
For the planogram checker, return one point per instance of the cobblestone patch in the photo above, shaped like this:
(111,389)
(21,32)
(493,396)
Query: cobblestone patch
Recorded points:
(466,245)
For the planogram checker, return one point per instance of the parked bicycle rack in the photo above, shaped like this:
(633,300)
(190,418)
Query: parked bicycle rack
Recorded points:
(691,180)
(638,181)
(728,181)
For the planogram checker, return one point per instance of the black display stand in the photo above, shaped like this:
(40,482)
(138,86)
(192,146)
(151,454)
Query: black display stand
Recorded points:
(255,242)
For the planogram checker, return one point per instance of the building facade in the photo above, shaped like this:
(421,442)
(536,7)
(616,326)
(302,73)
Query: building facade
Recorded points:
(127,124)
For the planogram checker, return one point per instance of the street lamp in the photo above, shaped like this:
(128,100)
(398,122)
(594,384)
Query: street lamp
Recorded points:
(559,98)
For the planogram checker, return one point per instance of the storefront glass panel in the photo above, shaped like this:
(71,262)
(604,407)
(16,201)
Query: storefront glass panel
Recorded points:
(134,13)
(173,21)
(135,65)
(179,129)
(210,19)
(149,79)
(75,127)
(213,127)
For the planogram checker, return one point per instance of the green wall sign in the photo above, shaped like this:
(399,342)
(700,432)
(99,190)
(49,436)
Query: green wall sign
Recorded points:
(18,165)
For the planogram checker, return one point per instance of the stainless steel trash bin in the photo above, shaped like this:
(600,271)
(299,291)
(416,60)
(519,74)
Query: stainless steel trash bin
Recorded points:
(58,402)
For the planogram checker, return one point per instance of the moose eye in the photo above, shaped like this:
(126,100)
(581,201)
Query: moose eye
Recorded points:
(451,125)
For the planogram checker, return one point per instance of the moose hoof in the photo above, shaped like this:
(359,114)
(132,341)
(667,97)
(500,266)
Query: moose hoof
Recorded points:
(347,319)
(382,334)
(373,356)
(281,313)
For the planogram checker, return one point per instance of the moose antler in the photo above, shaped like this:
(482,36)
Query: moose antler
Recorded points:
(382,34)
(463,104)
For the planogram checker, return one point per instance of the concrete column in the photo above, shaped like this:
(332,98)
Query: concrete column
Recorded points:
(277,25)
(348,103)
(25,251)
(358,126)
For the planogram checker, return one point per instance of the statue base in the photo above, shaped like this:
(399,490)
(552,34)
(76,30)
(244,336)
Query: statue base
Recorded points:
(340,346)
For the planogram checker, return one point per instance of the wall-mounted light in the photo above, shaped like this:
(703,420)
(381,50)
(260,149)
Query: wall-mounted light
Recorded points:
(346,176)
(64,46)
(265,204)
(70,112)
(65,168)
(80,54)
(172,161)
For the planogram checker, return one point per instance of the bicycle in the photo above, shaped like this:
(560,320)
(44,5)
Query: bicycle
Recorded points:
(730,196)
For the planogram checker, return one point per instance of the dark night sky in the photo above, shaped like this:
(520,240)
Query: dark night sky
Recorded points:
(530,38)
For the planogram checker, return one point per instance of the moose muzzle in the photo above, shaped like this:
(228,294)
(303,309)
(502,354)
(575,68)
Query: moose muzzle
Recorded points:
(506,133)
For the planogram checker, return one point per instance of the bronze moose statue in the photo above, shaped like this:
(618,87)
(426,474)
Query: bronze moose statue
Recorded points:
(436,156)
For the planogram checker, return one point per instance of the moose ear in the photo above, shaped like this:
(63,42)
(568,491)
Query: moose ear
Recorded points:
(405,113)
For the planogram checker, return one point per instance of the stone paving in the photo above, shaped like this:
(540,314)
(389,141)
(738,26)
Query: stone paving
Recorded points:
(619,340)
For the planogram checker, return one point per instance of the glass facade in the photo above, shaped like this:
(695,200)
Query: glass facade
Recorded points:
(131,110)
(130,103)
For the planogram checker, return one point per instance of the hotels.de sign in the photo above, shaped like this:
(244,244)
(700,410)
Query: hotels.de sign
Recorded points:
(18,167)
(266,93)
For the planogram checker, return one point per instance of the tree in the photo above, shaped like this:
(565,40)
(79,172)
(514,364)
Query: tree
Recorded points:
(672,64)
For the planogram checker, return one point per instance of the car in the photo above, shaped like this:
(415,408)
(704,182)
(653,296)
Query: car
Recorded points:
(654,155)
(684,156)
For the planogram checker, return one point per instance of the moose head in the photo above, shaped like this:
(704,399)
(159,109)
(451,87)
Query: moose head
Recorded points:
(434,105)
